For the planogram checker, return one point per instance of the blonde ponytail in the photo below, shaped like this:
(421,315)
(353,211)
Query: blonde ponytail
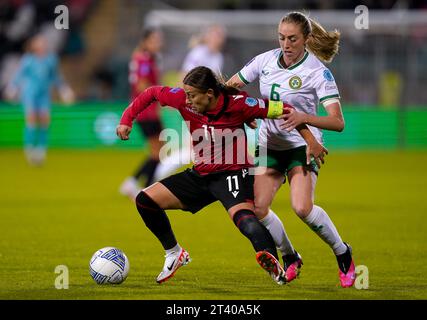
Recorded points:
(323,44)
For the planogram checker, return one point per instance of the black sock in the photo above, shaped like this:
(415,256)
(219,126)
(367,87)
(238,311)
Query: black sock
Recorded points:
(344,260)
(148,168)
(252,229)
(156,220)
(288,259)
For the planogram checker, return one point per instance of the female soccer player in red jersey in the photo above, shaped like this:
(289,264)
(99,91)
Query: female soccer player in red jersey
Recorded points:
(214,113)
(143,73)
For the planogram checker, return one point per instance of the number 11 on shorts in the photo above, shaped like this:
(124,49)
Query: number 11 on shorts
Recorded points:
(230,185)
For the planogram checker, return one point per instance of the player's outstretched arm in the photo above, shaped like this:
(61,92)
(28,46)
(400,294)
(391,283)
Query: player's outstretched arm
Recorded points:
(173,97)
(314,148)
(334,120)
(235,82)
(280,110)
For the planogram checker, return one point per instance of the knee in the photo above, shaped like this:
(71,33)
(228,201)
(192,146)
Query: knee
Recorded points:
(245,221)
(31,120)
(44,122)
(262,206)
(302,209)
(261,211)
(140,197)
(144,202)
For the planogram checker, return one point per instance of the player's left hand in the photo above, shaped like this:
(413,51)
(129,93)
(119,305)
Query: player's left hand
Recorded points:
(293,119)
(317,152)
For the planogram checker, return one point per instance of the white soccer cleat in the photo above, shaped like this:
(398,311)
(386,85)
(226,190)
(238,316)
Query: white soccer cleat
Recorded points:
(130,188)
(35,156)
(173,261)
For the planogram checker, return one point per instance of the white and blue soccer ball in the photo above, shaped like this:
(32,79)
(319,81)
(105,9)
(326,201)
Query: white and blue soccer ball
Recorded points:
(109,265)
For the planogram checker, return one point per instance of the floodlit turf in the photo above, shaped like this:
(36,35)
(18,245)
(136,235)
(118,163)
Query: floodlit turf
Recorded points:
(62,213)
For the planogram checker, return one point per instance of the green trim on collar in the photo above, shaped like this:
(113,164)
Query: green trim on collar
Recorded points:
(294,65)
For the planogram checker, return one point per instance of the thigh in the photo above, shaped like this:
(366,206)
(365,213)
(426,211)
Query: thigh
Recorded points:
(190,189)
(43,101)
(265,188)
(39,104)
(268,158)
(164,198)
(297,158)
(233,188)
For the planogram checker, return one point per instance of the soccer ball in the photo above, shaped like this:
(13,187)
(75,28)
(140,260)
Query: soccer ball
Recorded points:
(109,265)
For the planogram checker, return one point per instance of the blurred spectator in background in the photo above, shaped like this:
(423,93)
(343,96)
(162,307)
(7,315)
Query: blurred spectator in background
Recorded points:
(21,19)
(75,44)
(38,72)
(206,50)
(143,73)
(17,20)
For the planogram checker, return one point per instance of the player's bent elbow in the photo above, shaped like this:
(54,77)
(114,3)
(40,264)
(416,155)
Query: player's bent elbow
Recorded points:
(341,126)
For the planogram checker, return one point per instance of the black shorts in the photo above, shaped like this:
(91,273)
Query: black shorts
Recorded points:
(150,128)
(196,191)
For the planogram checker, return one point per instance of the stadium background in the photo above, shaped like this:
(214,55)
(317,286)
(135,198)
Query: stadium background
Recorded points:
(372,184)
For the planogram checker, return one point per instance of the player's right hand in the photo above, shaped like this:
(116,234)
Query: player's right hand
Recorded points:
(123,131)
(67,94)
(253,124)
(11,93)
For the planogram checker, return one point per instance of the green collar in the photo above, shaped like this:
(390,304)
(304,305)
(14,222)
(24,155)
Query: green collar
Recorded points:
(295,64)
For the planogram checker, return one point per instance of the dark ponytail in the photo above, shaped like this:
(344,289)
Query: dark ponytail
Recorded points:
(204,79)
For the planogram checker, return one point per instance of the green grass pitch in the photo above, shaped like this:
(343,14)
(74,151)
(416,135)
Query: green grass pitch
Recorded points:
(60,214)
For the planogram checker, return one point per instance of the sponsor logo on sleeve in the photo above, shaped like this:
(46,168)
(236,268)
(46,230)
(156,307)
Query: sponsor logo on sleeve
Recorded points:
(251,102)
(174,90)
(328,75)
(144,69)
(261,103)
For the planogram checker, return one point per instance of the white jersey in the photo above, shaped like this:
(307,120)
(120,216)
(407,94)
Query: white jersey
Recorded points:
(202,56)
(303,85)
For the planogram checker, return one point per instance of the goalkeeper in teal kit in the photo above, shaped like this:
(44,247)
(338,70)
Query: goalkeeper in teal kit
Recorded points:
(38,72)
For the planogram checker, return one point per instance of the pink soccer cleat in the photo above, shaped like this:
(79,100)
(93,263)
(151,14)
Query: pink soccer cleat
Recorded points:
(347,279)
(293,269)
(346,270)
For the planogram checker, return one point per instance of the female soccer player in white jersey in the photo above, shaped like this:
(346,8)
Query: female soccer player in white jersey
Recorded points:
(295,74)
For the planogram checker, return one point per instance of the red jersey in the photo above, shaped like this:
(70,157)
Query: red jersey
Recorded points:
(219,137)
(143,67)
